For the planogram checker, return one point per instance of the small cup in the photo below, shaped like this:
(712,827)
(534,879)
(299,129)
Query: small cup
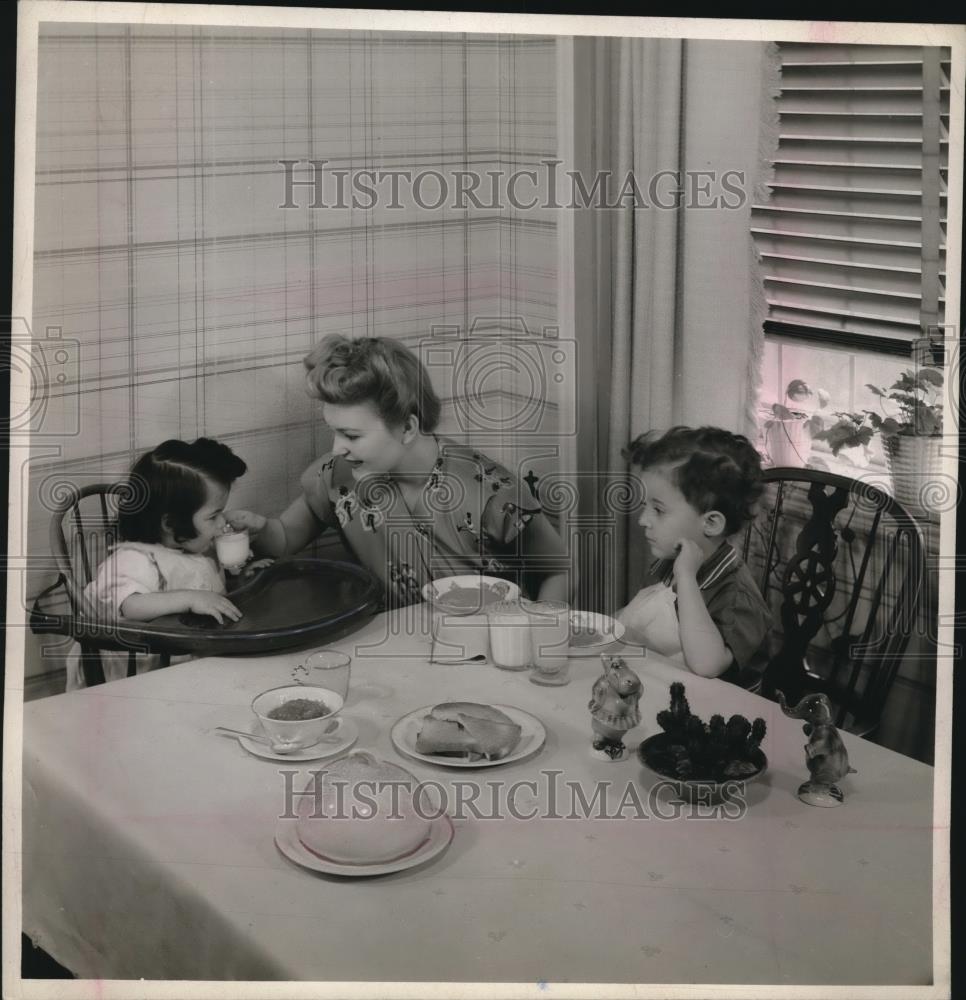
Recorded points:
(233,549)
(550,635)
(295,734)
(326,668)
(510,647)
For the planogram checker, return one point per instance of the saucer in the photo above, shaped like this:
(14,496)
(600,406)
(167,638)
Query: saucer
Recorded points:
(287,841)
(327,747)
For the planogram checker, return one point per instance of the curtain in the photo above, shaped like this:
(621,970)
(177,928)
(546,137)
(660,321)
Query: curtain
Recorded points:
(645,333)
(677,317)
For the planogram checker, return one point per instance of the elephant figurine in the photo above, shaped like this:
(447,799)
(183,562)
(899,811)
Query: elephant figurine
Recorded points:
(614,707)
(825,754)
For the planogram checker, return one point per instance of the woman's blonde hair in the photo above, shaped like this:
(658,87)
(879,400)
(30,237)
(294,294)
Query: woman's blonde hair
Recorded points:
(375,370)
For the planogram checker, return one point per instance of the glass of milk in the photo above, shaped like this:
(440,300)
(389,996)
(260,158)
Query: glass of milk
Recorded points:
(510,645)
(233,549)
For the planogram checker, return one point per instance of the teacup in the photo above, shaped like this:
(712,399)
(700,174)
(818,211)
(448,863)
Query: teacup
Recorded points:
(233,549)
(297,734)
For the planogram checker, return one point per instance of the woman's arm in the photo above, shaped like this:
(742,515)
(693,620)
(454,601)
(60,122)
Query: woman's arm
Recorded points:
(541,540)
(145,607)
(279,536)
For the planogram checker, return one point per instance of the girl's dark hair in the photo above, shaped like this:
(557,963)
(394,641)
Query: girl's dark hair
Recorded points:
(375,370)
(713,468)
(171,480)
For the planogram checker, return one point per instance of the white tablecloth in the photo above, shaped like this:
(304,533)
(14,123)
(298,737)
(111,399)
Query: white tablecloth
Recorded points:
(148,846)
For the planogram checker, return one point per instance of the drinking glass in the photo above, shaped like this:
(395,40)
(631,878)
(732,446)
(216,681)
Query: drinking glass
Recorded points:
(327,668)
(550,632)
(509,635)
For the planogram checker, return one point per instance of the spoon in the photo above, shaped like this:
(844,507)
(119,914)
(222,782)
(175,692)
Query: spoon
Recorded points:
(279,748)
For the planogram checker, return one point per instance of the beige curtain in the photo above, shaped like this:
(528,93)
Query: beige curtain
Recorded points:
(645,331)
(677,308)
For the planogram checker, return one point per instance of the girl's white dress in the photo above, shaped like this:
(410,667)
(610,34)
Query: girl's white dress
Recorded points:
(139,568)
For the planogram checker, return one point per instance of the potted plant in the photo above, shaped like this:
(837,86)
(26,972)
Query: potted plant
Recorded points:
(911,435)
(793,424)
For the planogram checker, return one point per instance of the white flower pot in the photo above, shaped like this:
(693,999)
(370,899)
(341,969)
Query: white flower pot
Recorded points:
(914,463)
(789,442)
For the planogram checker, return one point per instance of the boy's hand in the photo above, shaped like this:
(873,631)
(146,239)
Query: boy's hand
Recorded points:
(688,560)
(206,602)
(240,519)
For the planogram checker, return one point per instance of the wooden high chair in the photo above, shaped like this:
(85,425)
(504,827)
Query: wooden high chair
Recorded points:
(82,531)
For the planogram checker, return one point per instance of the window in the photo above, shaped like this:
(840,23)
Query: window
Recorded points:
(852,239)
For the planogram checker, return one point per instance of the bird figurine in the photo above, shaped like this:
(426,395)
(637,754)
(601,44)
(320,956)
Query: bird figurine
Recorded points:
(614,707)
(825,754)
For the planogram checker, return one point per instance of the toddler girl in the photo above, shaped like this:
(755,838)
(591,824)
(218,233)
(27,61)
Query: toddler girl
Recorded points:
(164,563)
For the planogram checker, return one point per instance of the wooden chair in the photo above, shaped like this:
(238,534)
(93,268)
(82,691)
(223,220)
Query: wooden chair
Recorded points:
(842,565)
(82,532)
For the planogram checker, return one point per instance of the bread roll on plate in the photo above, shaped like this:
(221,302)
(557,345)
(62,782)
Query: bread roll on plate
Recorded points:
(466,729)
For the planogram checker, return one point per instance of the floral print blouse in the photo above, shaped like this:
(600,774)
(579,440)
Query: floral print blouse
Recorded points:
(471,516)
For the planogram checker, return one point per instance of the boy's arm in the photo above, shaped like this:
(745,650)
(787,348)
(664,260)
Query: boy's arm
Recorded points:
(705,652)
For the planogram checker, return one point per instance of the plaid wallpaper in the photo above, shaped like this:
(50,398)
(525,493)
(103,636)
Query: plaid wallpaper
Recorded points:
(163,252)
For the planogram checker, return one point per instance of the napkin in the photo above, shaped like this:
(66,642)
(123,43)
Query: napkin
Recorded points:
(460,638)
(651,619)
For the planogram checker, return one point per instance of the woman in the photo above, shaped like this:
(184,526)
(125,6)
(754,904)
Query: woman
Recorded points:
(411,506)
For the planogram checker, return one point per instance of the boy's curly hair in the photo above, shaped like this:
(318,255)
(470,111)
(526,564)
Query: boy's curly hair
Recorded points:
(713,468)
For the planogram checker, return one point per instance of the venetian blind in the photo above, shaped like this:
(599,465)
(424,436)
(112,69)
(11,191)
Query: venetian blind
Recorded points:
(852,239)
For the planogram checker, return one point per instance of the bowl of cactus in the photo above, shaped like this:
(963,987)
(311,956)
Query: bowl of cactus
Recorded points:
(703,759)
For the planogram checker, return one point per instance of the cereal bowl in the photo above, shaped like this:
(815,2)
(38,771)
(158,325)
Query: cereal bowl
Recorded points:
(298,715)
(469,594)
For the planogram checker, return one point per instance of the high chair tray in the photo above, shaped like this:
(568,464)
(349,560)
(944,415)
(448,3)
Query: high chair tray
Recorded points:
(290,604)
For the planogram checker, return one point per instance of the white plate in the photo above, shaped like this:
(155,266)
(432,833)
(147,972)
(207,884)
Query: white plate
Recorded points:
(287,841)
(328,746)
(610,629)
(532,737)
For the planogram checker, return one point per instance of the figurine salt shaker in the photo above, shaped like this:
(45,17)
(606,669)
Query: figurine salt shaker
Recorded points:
(825,754)
(614,707)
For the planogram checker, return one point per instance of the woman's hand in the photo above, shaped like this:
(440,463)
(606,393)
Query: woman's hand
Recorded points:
(206,602)
(242,519)
(253,567)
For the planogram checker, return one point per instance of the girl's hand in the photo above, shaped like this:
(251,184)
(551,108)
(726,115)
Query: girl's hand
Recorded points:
(688,560)
(206,602)
(240,519)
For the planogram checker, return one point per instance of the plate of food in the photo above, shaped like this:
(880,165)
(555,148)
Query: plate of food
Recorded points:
(468,734)
(591,632)
(469,594)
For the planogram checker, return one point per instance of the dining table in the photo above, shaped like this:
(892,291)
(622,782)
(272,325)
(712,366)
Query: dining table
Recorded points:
(149,851)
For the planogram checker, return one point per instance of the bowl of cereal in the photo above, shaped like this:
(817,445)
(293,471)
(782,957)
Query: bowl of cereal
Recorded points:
(470,594)
(297,716)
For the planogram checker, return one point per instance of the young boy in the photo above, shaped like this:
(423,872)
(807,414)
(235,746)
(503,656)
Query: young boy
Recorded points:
(700,487)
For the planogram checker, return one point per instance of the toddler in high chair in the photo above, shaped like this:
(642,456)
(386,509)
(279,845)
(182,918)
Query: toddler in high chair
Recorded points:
(165,560)
(705,609)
